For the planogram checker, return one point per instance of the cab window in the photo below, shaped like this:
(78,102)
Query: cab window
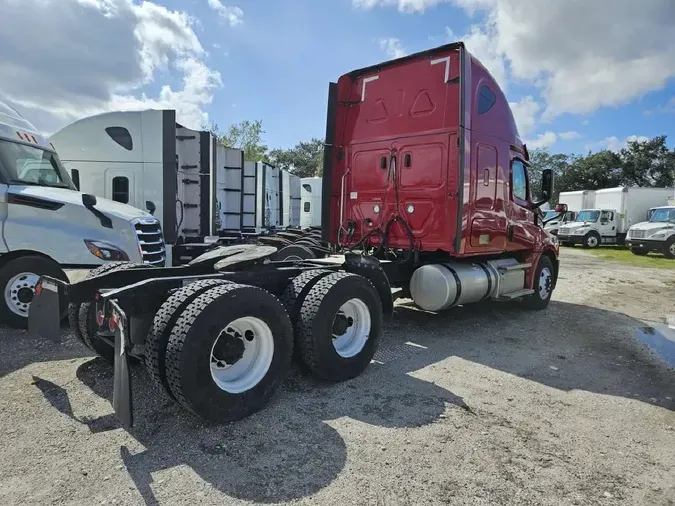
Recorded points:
(519,180)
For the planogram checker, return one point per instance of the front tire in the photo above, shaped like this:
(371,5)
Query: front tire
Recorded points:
(542,285)
(669,248)
(228,352)
(592,240)
(339,326)
(18,278)
(639,251)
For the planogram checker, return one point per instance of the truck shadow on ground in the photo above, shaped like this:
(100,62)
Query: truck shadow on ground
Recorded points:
(287,451)
(19,349)
(291,449)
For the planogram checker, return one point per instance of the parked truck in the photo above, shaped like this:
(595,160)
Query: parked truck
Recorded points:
(575,202)
(656,234)
(201,192)
(425,196)
(48,226)
(614,211)
(310,196)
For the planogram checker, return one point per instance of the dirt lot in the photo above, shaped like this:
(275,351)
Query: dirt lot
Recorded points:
(479,405)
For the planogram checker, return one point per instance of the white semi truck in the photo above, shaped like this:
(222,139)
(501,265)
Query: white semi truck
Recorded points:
(200,191)
(656,234)
(310,196)
(48,226)
(614,211)
(575,201)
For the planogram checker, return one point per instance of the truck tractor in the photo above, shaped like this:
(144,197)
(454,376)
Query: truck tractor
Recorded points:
(49,227)
(657,234)
(425,195)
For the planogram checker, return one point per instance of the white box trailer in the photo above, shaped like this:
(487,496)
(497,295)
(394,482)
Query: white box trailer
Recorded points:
(578,200)
(311,202)
(614,211)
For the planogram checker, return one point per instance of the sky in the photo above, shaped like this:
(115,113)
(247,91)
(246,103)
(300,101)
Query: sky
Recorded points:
(580,74)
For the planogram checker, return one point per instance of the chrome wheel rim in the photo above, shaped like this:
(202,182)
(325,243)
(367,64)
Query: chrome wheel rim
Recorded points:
(19,292)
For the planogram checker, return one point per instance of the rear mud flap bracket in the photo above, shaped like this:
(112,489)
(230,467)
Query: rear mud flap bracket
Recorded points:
(122,400)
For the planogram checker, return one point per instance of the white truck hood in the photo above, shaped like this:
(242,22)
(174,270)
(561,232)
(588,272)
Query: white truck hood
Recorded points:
(575,225)
(651,227)
(108,207)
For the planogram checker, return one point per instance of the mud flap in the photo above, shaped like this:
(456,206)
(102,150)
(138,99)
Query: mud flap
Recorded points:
(122,402)
(44,314)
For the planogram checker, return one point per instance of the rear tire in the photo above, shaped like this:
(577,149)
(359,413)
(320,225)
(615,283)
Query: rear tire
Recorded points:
(89,329)
(542,285)
(18,278)
(210,334)
(347,306)
(162,325)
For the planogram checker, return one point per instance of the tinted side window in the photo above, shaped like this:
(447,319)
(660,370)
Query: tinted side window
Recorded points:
(308,188)
(486,99)
(306,207)
(120,189)
(519,180)
(121,136)
(75,176)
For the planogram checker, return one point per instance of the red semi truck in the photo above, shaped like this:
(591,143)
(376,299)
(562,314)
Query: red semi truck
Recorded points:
(426,196)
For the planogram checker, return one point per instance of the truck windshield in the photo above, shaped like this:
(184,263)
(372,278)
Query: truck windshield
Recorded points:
(663,216)
(588,216)
(550,214)
(31,165)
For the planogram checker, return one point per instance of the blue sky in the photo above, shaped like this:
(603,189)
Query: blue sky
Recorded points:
(573,86)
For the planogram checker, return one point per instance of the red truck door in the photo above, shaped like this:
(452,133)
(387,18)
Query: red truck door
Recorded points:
(521,229)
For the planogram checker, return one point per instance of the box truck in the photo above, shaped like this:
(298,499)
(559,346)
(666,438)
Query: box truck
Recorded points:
(657,234)
(575,202)
(614,211)
(425,195)
(200,191)
(48,226)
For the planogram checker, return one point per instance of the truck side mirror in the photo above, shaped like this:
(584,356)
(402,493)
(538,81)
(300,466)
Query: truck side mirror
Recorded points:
(150,206)
(546,187)
(88,200)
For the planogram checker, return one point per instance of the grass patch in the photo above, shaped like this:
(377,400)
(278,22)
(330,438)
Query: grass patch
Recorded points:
(623,254)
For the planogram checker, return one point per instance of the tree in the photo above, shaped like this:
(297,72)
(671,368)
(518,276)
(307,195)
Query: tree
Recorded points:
(541,159)
(303,160)
(648,163)
(246,136)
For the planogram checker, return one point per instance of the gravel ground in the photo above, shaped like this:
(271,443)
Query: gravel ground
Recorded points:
(482,405)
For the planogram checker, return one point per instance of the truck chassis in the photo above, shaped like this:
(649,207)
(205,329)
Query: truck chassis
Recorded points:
(328,311)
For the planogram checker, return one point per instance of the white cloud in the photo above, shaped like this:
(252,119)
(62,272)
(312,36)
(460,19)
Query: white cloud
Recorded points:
(89,56)
(525,113)
(233,15)
(614,143)
(569,136)
(559,47)
(542,141)
(393,47)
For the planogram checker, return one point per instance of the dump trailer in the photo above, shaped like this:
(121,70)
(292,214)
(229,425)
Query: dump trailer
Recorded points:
(425,196)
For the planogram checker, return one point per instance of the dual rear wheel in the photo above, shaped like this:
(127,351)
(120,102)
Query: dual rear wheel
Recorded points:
(222,349)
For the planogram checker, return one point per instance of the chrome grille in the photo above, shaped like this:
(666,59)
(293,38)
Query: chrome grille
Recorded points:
(150,240)
(637,234)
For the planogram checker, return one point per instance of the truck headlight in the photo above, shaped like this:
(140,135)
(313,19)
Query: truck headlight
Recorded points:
(105,250)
